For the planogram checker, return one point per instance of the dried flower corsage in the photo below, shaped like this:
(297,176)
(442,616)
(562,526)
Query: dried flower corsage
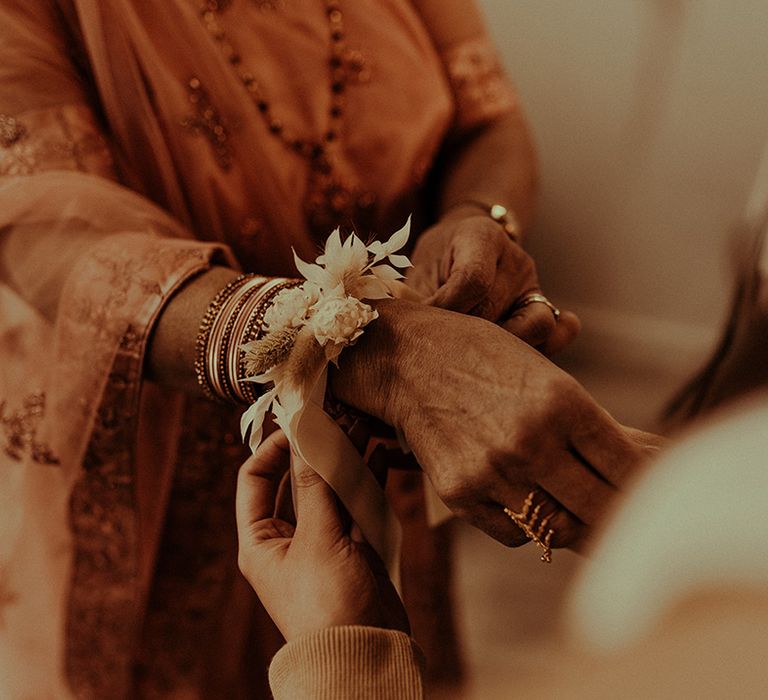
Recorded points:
(309,325)
(306,328)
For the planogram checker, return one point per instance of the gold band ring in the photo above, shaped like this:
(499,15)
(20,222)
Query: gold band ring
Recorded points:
(537,298)
(535,527)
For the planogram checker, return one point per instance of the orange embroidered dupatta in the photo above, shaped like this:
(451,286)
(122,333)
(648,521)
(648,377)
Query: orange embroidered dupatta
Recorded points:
(117,552)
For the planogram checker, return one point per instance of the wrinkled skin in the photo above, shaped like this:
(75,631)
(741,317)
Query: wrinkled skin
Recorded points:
(470,265)
(489,418)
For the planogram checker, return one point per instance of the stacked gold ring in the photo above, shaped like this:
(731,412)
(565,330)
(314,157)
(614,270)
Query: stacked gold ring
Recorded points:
(534,526)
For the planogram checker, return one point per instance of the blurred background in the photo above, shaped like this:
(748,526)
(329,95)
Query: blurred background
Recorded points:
(650,119)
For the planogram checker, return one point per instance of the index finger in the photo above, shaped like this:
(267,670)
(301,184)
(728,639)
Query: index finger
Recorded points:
(259,479)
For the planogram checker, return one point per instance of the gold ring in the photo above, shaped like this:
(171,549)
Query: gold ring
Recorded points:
(537,298)
(534,528)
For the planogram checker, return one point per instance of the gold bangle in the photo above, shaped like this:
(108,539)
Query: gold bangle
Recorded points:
(204,332)
(224,379)
(499,213)
(253,328)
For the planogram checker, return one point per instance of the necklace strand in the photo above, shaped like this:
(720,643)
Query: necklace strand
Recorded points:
(327,191)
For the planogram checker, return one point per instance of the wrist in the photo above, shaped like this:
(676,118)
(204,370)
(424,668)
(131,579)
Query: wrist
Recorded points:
(371,373)
(500,214)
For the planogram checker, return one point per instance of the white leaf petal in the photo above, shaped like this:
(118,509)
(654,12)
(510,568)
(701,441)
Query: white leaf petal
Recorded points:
(332,352)
(306,269)
(332,247)
(253,418)
(385,272)
(359,256)
(377,250)
(400,260)
(399,238)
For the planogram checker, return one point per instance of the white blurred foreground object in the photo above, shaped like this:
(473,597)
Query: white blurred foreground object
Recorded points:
(697,522)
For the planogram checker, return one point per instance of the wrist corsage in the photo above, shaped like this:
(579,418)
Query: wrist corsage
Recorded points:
(306,327)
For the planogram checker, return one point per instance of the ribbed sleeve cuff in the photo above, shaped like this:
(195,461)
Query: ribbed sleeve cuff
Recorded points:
(340,663)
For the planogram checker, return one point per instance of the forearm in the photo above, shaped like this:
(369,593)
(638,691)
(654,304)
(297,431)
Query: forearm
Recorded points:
(495,164)
(171,351)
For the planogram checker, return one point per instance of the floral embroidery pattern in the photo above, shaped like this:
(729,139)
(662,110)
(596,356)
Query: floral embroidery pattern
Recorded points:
(60,139)
(11,130)
(104,614)
(20,428)
(481,88)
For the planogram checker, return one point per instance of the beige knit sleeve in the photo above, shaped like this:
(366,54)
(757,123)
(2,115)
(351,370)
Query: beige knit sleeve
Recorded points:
(346,663)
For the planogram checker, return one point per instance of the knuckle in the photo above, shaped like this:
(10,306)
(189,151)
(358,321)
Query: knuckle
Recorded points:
(475,282)
(306,478)
(487,308)
(559,388)
(566,532)
(454,492)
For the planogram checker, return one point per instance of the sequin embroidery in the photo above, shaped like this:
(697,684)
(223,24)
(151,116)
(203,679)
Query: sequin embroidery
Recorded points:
(11,130)
(207,122)
(20,428)
(65,138)
(480,86)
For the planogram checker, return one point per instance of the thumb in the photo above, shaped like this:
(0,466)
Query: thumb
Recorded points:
(317,515)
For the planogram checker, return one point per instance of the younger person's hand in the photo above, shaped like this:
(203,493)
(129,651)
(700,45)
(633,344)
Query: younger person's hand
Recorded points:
(310,575)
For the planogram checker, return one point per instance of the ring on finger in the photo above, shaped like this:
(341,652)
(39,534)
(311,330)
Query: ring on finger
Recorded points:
(537,298)
(535,527)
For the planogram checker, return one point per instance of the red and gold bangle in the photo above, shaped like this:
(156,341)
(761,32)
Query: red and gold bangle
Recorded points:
(220,352)
(204,333)
(252,328)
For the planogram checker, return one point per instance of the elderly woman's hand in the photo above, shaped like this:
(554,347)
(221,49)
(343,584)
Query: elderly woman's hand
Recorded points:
(489,419)
(310,575)
(467,263)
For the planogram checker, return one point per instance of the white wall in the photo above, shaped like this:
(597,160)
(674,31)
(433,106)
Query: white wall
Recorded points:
(650,117)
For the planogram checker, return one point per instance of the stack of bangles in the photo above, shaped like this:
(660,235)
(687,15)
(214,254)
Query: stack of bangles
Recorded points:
(233,318)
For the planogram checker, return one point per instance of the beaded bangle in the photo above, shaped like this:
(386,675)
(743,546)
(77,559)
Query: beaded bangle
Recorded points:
(219,348)
(204,332)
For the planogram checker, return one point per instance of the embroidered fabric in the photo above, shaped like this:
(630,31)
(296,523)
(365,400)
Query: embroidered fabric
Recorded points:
(105,595)
(102,608)
(481,88)
(64,138)
(20,429)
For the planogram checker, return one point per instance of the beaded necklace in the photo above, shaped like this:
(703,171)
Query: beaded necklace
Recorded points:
(330,200)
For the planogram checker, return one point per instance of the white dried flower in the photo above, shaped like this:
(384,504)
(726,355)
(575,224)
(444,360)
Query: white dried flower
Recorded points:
(271,350)
(290,308)
(340,320)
